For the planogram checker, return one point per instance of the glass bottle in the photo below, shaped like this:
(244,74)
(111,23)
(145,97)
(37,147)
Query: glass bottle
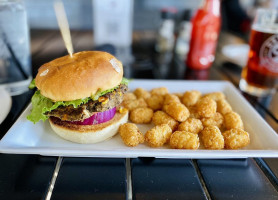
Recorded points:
(205,31)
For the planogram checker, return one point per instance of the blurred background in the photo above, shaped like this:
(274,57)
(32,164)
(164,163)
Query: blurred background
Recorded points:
(150,37)
(146,14)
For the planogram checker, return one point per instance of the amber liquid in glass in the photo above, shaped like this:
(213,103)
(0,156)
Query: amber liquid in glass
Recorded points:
(262,66)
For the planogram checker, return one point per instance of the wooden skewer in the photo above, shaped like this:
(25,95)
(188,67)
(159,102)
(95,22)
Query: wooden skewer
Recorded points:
(63,25)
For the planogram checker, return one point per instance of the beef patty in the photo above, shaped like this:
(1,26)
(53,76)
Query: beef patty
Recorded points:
(105,102)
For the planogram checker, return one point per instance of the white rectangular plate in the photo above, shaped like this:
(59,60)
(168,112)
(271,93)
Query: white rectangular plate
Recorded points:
(27,138)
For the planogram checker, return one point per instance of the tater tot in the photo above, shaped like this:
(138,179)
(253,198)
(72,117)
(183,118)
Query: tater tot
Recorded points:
(190,98)
(141,93)
(193,112)
(216,96)
(236,138)
(131,135)
(159,91)
(161,117)
(212,138)
(155,102)
(177,110)
(223,106)
(191,125)
(233,120)
(141,115)
(169,98)
(137,103)
(129,96)
(216,120)
(206,107)
(184,140)
(178,94)
(158,135)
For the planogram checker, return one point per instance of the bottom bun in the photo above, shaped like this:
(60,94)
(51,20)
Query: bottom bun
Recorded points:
(88,134)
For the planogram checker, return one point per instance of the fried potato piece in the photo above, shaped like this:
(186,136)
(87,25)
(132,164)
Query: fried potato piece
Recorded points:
(159,91)
(223,106)
(184,140)
(161,117)
(206,107)
(216,120)
(129,96)
(131,135)
(155,102)
(191,125)
(236,138)
(178,94)
(177,110)
(137,103)
(193,112)
(212,138)
(169,98)
(141,93)
(233,120)
(190,98)
(216,96)
(141,115)
(158,135)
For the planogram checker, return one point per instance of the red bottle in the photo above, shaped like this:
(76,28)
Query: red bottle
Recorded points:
(205,31)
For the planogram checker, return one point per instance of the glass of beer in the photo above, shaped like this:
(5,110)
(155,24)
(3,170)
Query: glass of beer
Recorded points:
(260,76)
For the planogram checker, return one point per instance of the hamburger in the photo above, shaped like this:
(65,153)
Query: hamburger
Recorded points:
(80,95)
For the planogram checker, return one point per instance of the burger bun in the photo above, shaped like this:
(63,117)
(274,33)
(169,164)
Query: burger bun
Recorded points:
(80,76)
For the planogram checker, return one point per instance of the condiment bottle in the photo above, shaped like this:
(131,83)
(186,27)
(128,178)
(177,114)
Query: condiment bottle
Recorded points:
(166,37)
(184,34)
(205,31)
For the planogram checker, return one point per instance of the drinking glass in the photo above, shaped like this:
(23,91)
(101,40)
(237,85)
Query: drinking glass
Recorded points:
(15,64)
(260,76)
(112,23)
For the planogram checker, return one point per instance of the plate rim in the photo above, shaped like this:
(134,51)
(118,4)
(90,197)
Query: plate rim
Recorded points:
(176,153)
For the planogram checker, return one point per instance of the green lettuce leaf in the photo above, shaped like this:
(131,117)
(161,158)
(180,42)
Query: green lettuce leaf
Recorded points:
(32,84)
(125,81)
(42,104)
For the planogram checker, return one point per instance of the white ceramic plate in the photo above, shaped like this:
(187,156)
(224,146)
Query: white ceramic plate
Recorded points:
(26,138)
(236,53)
(5,104)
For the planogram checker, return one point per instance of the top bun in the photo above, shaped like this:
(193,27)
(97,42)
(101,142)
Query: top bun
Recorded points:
(82,75)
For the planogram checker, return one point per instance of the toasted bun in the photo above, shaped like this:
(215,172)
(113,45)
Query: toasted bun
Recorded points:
(82,75)
(88,134)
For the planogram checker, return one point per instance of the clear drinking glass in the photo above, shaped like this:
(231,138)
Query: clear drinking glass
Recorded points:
(260,76)
(15,62)
(113,21)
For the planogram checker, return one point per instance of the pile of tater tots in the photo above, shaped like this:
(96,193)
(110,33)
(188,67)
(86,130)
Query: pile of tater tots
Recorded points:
(182,120)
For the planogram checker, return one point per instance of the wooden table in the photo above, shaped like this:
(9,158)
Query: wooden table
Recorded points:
(41,177)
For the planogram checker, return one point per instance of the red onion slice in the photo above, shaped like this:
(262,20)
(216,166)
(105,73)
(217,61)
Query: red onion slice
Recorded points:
(97,118)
